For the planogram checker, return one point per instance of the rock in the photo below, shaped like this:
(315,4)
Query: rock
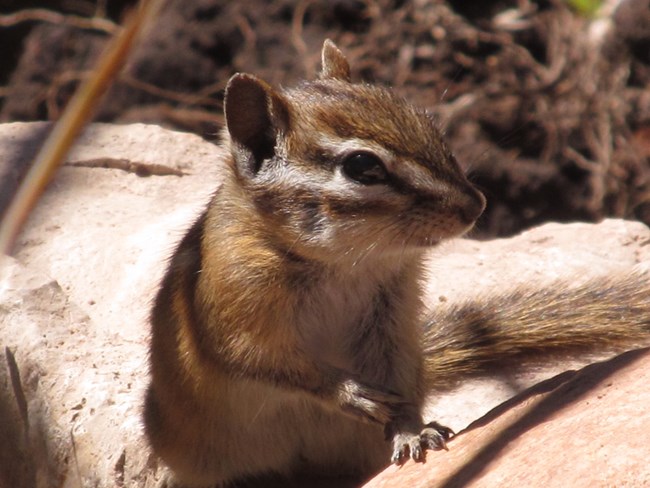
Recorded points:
(586,428)
(74,301)
(82,389)
(102,232)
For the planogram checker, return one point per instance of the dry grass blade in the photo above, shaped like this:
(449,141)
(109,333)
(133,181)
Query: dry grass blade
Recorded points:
(77,113)
(44,15)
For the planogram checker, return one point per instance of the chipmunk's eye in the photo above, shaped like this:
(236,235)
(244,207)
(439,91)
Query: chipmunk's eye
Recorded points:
(365,168)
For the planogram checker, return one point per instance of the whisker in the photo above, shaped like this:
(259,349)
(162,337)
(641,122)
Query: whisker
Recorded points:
(288,251)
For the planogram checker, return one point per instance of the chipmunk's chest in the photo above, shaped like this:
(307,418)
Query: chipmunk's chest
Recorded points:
(333,314)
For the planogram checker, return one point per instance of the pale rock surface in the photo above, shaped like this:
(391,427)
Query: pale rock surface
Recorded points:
(75,298)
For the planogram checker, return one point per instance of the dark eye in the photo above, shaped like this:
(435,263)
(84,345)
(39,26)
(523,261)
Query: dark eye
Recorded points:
(365,168)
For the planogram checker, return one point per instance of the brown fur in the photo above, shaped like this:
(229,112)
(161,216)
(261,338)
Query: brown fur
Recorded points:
(525,324)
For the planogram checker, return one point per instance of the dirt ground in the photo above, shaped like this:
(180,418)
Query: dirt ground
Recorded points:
(546,106)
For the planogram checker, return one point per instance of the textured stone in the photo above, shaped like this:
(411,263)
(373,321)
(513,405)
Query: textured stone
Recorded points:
(586,428)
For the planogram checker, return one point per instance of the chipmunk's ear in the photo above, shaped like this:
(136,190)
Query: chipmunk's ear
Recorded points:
(255,115)
(335,65)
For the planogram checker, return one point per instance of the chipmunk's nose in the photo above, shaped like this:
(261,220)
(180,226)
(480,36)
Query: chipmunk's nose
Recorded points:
(473,206)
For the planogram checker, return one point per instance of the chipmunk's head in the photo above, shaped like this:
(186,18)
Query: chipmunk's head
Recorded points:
(338,167)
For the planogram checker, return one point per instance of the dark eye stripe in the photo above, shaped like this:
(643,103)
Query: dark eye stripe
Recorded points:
(344,206)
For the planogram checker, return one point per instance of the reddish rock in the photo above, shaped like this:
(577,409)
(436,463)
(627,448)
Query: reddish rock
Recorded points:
(578,429)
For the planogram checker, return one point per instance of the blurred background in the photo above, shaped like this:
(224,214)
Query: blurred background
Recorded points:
(545,103)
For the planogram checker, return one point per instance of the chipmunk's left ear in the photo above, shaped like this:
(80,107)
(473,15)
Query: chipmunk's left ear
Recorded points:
(335,65)
(255,115)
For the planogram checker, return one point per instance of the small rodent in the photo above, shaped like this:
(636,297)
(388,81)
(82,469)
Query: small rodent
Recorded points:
(287,335)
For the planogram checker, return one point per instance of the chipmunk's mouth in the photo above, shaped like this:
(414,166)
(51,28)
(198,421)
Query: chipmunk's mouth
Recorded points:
(430,242)
(421,242)
(441,232)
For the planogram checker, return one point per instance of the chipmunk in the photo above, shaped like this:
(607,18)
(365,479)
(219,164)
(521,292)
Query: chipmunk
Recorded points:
(288,335)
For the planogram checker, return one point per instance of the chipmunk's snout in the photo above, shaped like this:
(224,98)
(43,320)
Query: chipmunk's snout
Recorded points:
(472,209)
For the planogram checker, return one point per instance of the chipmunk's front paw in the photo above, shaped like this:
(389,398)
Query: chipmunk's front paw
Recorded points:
(407,445)
(369,403)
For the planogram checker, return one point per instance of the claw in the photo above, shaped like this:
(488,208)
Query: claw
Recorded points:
(416,452)
(407,445)
(436,436)
(444,431)
(399,456)
(442,444)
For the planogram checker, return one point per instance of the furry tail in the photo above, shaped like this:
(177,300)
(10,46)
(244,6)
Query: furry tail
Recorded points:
(603,314)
